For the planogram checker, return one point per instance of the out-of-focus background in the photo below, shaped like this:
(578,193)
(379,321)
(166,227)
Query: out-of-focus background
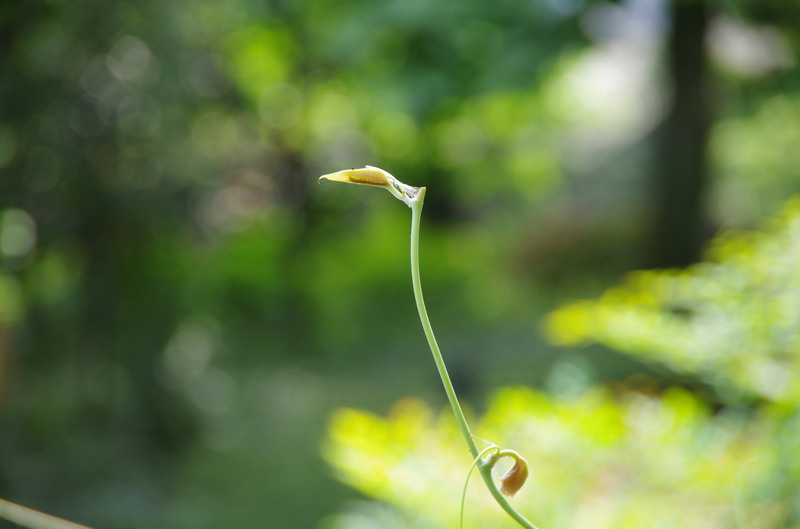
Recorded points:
(193,334)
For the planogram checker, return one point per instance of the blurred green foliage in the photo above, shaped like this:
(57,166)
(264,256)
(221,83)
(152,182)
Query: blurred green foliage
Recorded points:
(181,307)
(755,178)
(630,460)
(731,320)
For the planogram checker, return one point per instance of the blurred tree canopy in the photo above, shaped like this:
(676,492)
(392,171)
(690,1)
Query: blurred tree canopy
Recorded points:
(174,289)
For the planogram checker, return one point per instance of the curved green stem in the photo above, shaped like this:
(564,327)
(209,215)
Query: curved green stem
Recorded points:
(485,469)
(416,214)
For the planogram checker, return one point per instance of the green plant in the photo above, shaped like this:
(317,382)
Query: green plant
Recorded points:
(484,459)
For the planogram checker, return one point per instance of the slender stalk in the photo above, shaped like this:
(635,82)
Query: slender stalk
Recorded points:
(484,468)
(32,519)
(416,214)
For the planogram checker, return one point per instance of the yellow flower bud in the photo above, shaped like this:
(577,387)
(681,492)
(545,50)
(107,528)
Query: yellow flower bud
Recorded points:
(373,176)
(366,176)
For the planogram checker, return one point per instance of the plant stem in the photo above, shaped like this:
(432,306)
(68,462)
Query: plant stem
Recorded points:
(416,213)
(32,519)
(485,469)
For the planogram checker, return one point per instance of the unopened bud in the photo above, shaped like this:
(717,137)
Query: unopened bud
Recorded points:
(373,176)
(514,478)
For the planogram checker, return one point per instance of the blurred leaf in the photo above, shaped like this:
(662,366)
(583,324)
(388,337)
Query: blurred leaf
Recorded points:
(607,462)
(731,320)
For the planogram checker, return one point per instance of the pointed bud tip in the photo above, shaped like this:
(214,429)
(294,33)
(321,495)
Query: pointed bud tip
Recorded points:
(366,176)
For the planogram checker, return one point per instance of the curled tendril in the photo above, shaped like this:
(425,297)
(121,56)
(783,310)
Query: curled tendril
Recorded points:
(515,478)
(512,481)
